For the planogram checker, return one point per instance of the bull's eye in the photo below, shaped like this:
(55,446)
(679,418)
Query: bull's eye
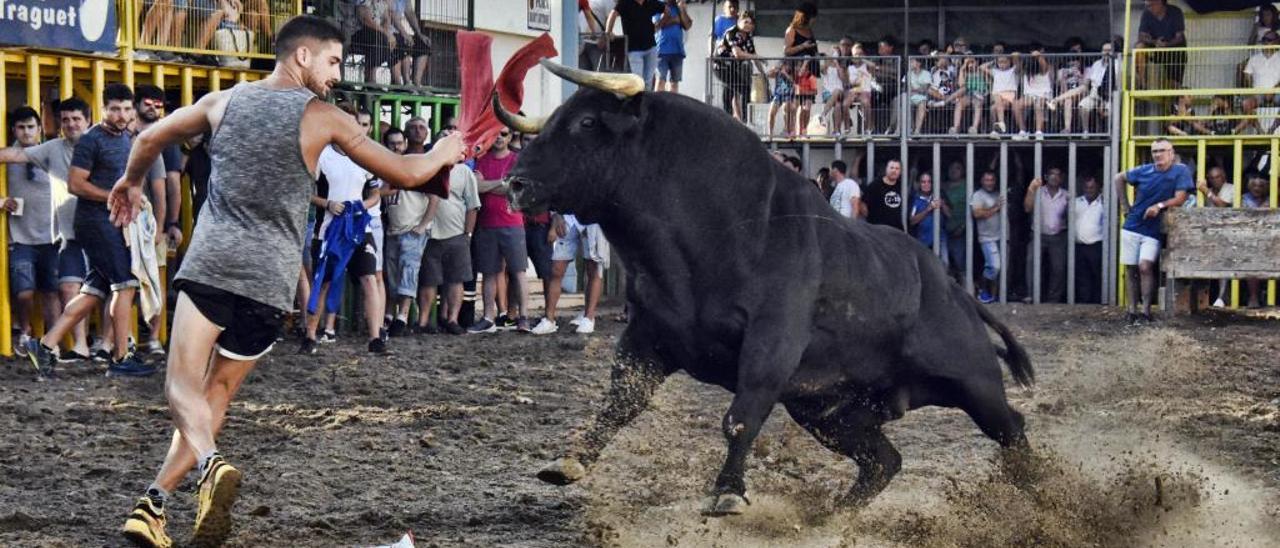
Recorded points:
(588,122)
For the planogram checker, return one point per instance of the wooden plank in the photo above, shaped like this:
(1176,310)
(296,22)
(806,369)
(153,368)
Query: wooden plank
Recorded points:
(1222,243)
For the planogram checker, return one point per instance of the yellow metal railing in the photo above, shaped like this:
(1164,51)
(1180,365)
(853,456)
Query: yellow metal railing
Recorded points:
(40,73)
(1199,98)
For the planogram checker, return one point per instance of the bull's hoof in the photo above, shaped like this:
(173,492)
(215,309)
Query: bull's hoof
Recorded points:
(562,471)
(727,504)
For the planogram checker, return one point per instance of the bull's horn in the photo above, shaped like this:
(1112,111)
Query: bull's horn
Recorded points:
(623,85)
(522,124)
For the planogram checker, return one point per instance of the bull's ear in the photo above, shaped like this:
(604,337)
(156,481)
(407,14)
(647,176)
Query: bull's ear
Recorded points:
(620,123)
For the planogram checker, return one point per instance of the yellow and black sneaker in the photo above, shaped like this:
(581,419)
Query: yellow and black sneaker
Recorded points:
(145,526)
(218,487)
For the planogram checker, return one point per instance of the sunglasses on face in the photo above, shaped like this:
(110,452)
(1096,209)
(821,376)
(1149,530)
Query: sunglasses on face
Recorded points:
(153,103)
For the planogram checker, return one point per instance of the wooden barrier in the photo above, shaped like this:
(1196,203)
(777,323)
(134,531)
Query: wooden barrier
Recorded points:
(1217,244)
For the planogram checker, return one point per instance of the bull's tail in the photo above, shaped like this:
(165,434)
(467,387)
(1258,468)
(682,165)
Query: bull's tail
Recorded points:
(1013,353)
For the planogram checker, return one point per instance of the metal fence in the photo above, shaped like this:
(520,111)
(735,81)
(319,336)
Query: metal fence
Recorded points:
(1205,92)
(1002,97)
(1019,96)
(222,32)
(799,97)
(1041,253)
(395,53)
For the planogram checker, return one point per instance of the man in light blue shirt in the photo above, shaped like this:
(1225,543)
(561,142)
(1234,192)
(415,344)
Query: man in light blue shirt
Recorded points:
(671,25)
(1159,185)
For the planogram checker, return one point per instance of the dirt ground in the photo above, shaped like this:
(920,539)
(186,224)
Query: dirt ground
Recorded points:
(1166,435)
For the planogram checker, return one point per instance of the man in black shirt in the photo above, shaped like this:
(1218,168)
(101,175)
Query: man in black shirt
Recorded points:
(637,26)
(884,197)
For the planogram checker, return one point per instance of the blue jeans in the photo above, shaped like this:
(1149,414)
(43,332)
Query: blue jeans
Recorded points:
(403,256)
(643,64)
(33,267)
(991,260)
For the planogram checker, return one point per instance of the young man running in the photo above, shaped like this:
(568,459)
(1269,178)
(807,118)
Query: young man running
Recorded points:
(238,276)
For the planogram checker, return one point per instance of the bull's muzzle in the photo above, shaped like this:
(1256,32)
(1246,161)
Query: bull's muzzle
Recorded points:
(520,192)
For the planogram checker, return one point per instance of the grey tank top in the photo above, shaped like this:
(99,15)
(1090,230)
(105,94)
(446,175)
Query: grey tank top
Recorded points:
(248,241)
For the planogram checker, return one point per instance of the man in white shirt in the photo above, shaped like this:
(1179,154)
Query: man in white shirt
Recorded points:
(1099,93)
(846,199)
(1090,216)
(347,182)
(1262,71)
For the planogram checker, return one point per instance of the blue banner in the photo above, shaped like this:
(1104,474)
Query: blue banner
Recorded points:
(87,25)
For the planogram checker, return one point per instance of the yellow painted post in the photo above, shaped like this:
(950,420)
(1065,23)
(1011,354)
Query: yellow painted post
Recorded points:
(1275,203)
(188,85)
(242,77)
(33,81)
(98,83)
(127,72)
(157,75)
(215,80)
(1237,158)
(1201,159)
(66,78)
(6,323)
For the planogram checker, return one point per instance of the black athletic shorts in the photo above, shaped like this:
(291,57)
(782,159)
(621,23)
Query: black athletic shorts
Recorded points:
(363,261)
(249,328)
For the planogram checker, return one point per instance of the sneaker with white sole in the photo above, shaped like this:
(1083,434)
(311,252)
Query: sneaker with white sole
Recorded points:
(155,349)
(483,326)
(586,326)
(546,326)
(21,348)
(577,319)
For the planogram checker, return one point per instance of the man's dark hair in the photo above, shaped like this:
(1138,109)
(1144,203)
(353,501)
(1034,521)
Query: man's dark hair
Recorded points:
(840,166)
(386,135)
(147,91)
(22,114)
(301,28)
(794,162)
(117,92)
(1074,41)
(1001,44)
(1251,175)
(986,172)
(73,103)
(889,40)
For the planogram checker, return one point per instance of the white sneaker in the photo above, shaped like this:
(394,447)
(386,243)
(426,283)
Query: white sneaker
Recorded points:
(1219,303)
(155,348)
(577,319)
(546,326)
(21,348)
(999,127)
(586,326)
(1039,135)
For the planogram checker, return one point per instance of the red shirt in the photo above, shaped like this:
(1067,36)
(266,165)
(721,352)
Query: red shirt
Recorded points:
(495,209)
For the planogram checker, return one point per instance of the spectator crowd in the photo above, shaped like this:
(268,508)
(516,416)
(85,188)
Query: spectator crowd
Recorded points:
(405,252)
(854,89)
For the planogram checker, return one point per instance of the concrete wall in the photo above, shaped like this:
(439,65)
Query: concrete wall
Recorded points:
(507,22)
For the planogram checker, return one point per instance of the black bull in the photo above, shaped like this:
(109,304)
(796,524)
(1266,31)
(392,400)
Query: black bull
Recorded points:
(740,274)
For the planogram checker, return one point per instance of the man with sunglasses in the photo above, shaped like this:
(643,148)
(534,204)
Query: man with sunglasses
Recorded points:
(54,158)
(149,103)
(499,239)
(1160,185)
